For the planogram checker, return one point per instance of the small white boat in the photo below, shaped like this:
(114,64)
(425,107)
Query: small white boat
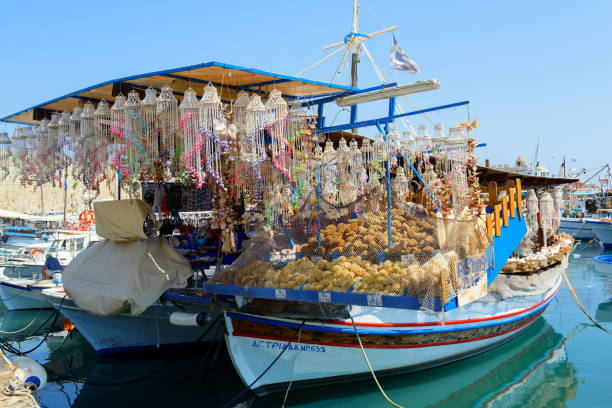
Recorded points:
(19,292)
(19,288)
(148,331)
(577,228)
(603,263)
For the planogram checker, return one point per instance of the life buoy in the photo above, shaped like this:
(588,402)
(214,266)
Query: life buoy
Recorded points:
(35,251)
(87,217)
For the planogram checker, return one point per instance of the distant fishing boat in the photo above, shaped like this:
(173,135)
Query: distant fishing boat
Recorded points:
(578,228)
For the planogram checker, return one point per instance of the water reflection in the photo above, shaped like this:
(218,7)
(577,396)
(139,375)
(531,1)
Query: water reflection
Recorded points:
(604,312)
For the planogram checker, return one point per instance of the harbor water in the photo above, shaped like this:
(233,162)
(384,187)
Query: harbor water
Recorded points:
(561,360)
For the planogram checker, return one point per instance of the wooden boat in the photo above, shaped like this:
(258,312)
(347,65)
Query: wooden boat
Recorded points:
(395,340)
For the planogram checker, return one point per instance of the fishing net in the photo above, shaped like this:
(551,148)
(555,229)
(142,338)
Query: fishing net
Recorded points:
(357,250)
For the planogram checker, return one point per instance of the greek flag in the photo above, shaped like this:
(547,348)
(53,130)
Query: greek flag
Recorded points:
(400,61)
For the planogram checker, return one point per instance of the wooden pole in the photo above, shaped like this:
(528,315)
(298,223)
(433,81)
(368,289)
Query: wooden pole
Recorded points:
(511,193)
(504,205)
(42,201)
(497,220)
(519,198)
(492,194)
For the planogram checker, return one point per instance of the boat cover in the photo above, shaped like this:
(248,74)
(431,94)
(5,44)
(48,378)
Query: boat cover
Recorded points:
(112,277)
(122,220)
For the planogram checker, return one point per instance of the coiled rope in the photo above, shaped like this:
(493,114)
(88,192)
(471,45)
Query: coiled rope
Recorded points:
(365,356)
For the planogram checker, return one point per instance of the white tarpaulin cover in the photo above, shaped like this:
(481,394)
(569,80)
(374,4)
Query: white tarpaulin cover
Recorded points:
(122,220)
(112,277)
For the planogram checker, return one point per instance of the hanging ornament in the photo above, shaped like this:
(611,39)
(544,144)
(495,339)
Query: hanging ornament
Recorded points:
(120,143)
(168,122)
(212,128)
(423,140)
(276,119)
(5,155)
(150,128)
(64,140)
(133,132)
(255,127)
(400,185)
(192,140)
(393,146)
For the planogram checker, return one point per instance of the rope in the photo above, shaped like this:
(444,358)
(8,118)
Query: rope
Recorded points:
(365,356)
(577,300)
(292,369)
(569,285)
(23,328)
(248,387)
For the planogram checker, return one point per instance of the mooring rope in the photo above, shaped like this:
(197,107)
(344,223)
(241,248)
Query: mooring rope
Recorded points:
(575,296)
(365,356)
(248,387)
(292,369)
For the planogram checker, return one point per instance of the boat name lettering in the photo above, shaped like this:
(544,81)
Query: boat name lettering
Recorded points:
(269,344)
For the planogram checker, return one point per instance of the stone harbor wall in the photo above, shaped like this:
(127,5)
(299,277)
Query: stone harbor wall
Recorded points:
(27,199)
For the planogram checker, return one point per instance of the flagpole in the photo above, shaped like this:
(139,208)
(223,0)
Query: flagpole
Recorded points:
(354,62)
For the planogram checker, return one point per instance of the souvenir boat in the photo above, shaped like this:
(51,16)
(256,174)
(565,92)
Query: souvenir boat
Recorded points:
(395,340)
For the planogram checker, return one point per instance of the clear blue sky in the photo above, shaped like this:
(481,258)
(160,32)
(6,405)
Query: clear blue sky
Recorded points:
(529,68)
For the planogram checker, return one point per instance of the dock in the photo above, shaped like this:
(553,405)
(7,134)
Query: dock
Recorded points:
(11,396)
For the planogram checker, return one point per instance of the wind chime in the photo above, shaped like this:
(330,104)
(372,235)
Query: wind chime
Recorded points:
(212,124)
(168,122)
(393,146)
(5,155)
(51,161)
(120,143)
(192,140)
(546,215)
(243,180)
(347,192)
(276,118)
(103,138)
(87,149)
(255,128)
(133,131)
(150,128)
(64,140)
(400,186)
(456,169)
(359,175)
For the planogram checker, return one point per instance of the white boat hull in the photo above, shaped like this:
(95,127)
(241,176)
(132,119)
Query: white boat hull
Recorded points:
(603,230)
(22,293)
(18,298)
(395,341)
(577,228)
(148,331)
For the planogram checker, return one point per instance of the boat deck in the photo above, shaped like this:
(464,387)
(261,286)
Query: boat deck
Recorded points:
(20,398)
